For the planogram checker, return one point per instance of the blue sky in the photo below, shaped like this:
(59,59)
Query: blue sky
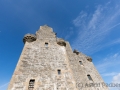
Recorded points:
(91,26)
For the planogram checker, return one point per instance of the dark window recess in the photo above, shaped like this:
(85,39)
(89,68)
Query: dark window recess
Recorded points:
(89,77)
(80,62)
(31,84)
(46,44)
(59,72)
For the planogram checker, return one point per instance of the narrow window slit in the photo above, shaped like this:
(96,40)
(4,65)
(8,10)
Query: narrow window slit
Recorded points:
(81,63)
(46,44)
(59,72)
(89,77)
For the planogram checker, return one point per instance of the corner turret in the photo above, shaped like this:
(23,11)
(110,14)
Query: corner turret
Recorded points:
(75,51)
(61,42)
(29,38)
(89,59)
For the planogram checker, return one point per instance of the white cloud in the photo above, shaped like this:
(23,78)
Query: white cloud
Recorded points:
(116,78)
(116,81)
(94,28)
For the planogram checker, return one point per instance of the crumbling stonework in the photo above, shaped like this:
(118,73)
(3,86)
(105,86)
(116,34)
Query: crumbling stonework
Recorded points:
(48,63)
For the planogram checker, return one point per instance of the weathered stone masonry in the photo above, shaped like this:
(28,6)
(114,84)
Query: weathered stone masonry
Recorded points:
(48,63)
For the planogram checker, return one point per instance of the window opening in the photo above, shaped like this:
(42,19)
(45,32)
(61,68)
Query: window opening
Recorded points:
(80,62)
(31,84)
(59,72)
(89,77)
(46,44)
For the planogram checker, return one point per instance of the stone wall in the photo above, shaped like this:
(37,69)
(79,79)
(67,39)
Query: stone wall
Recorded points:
(80,72)
(53,66)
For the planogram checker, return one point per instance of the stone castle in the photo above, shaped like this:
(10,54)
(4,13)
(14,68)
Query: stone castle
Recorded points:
(48,63)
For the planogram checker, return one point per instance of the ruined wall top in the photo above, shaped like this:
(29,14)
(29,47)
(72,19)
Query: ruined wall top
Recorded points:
(45,28)
(45,32)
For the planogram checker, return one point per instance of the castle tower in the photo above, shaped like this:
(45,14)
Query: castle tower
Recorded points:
(48,63)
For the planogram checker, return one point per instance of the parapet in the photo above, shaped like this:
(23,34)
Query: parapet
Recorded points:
(87,57)
(29,38)
(61,42)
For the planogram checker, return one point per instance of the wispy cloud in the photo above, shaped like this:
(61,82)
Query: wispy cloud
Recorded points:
(94,28)
(4,85)
(106,67)
(111,61)
(70,33)
(109,74)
